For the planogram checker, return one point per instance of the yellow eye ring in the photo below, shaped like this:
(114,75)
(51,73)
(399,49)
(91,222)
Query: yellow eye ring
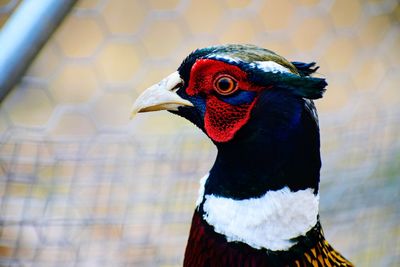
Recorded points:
(225,85)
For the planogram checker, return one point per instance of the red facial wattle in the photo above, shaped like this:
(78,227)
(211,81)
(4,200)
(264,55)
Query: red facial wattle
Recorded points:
(222,119)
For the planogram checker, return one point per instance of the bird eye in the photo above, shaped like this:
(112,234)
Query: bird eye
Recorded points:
(225,85)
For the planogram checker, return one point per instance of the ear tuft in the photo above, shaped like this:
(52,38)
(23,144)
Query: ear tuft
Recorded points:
(311,88)
(305,69)
(301,84)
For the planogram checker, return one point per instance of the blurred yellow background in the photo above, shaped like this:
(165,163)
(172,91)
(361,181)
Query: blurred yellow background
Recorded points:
(82,185)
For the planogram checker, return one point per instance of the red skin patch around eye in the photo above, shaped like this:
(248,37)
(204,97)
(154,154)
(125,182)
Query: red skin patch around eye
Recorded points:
(221,120)
(205,71)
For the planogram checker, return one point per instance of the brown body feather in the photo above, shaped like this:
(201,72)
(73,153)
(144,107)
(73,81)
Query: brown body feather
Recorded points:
(206,248)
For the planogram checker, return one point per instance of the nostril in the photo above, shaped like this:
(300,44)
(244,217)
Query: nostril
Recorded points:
(177,87)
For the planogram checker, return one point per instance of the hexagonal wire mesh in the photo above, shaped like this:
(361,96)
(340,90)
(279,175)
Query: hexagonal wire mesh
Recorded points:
(81,185)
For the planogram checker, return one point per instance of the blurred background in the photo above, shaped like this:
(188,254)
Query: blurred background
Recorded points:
(82,185)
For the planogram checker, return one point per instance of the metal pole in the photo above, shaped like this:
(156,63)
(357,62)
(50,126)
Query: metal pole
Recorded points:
(24,34)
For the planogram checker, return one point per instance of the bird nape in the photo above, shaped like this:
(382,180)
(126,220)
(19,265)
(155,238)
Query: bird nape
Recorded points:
(258,204)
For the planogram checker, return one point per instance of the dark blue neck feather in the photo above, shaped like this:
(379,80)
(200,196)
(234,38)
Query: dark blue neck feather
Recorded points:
(278,147)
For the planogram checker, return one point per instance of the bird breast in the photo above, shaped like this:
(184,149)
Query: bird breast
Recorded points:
(271,221)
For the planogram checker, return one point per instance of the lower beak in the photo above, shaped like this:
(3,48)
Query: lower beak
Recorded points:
(161,96)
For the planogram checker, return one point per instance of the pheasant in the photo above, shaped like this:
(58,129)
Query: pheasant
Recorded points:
(258,205)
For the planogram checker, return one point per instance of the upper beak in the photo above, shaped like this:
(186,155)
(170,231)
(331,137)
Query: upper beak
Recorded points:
(161,96)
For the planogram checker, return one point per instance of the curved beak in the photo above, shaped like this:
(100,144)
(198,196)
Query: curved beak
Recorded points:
(161,96)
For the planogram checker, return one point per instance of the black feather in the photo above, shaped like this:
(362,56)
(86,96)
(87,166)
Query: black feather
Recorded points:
(305,69)
(303,86)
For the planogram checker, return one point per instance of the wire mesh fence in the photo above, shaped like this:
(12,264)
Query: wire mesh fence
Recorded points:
(81,185)
(105,202)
